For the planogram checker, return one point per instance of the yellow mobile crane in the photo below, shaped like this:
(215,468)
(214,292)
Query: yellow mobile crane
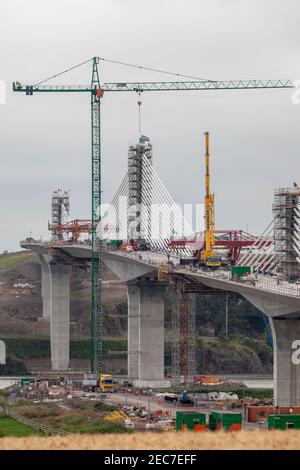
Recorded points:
(208,256)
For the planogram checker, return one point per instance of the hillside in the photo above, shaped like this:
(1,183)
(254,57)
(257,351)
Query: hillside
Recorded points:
(27,335)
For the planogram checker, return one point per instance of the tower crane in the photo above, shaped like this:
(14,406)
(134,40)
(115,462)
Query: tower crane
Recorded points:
(95,92)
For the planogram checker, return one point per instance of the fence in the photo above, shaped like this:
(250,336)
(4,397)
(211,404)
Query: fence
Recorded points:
(33,424)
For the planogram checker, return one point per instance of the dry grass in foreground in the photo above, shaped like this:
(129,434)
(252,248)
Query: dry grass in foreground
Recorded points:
(279,440)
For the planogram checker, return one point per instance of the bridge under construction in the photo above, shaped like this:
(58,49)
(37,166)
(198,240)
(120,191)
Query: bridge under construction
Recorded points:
(132,238)
(148,259)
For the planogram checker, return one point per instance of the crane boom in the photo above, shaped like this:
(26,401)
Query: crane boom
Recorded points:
(209,208)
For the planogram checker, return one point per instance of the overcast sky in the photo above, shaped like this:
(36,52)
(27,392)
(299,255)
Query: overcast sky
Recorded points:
(45,139)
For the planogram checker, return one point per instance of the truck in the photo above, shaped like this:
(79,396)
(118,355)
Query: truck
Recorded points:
(106,383)
(206,380)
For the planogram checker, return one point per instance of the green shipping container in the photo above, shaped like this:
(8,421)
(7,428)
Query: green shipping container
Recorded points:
(190,419)
(283,422)
(224,420)
(239,271)
(214,420)
(231,418)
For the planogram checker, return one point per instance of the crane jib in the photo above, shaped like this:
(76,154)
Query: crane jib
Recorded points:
(139,87)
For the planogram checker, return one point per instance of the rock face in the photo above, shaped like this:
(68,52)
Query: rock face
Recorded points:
(246,350)
(222,358)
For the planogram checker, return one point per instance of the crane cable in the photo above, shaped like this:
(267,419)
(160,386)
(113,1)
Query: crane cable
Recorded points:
(139,102)
(64,71)
(140,67)
(154,70)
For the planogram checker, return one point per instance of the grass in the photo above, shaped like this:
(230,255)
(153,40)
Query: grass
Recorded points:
(86,420)
(100,406)
(35,412)
(86,425)
(11,260)
(10,427)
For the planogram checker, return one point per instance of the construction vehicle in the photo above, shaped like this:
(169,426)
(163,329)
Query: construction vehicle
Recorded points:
(213,262)
(206,380)
(184,399)
(207,256)
(106,383)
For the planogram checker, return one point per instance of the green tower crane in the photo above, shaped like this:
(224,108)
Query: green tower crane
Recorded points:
(96,93)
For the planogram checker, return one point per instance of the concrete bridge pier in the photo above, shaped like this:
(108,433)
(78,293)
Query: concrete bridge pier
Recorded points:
(146,332)
(60,314)
(286,340)
(45,286)
(133,298)
(285,325)
(151,332)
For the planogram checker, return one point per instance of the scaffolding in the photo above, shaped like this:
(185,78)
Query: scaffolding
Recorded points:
(285,225)
(183,354)
(60,211)
(192,335)
(137,189)
(175,352)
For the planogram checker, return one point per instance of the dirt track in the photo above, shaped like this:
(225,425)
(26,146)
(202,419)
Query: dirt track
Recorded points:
(279,440)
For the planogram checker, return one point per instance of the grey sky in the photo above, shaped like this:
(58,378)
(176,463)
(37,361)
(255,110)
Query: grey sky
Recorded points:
(45,139)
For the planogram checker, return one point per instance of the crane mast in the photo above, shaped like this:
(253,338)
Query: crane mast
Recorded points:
(96,313)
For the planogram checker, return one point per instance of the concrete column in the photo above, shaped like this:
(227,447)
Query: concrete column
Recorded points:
(45,286)
(151,331)
(133,296)
(60,315)
(286,340)
(285,325)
